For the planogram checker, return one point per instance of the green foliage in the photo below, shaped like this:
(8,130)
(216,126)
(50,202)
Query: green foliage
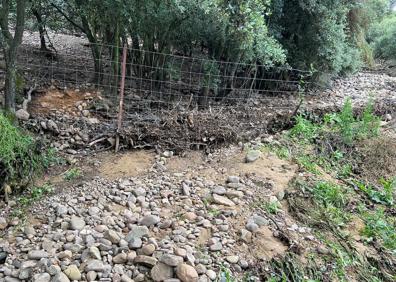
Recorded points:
(350,128)
(382,37)
(325,44)
(211,78)
(35,194)
(304,129)
(308,164)
(381,228)
(20,155)
(384,196)
(72,174)
(272,207)
(328,193)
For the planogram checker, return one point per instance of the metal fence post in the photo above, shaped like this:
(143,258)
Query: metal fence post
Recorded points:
(121,106)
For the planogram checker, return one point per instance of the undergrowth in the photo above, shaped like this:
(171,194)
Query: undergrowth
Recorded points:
(21,157)
(348,172)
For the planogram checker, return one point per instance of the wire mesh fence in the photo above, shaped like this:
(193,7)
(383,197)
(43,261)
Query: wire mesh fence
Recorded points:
(156,81)
(177,100)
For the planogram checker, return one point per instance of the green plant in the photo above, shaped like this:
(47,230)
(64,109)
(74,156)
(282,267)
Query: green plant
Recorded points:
(329,194)
(21,156)
(382,37)
(384,196)
(271,207)
(381,228)
(351,128)
(308,164)
(214,212)
(72,174)
(35,194)
(304,129)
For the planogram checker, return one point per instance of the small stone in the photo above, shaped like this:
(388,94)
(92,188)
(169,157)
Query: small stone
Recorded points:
(246,236)
(29,230)
(77,223)
(125,278)
(146,260)
(201,269)
(220,200)
(149,220)
(252,156)
(137,232)
(186,273)
(219,190)
(161,272)
(61,210)
(42,277)
(131,256)
(322,250)
(73,272)
(93,211)
(22,115)
(139,192)
(260,221)
(171,260)
(95,253)
(3,223)
(216,247)
(244,264)
(211,274)
(232,259)
(181,252)
(135,243)
(148,249)
(37,254)
(60,277)
(120,258)
(112,236)
(190,216)
(252,227)
(280,195)
(91,276)
(233,179)
(65,255)
(95,265)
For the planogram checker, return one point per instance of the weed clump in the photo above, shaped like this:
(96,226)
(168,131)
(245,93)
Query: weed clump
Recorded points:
(20,156)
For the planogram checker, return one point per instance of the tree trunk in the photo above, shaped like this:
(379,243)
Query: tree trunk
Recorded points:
(41,28)
(98,66)
(10,47)
(10,81)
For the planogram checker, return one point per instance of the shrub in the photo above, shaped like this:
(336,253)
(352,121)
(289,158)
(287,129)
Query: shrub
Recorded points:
(382,37)
(20,155)
(350,128)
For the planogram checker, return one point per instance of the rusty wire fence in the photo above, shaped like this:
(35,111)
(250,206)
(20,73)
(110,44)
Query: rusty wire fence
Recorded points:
(157,85)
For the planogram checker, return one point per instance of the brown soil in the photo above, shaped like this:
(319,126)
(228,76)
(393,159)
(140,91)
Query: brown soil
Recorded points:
(65,101)
(130,164)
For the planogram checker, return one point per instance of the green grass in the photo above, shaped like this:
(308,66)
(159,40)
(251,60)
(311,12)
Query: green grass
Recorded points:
(72,174)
